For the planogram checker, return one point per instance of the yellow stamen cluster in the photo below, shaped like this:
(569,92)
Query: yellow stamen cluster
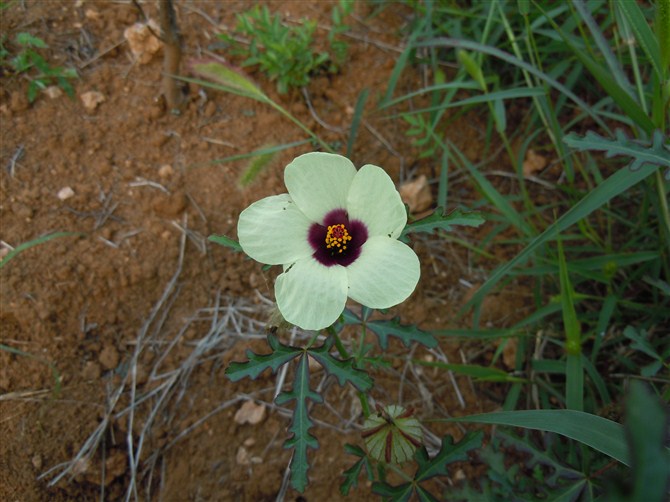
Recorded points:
(337,238)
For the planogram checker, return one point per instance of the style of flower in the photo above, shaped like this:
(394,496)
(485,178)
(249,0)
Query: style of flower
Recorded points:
(336,234)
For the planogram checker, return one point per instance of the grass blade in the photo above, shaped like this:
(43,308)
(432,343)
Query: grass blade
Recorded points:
(616,184)
(599,433)
(40,240)
(643,34)
(573,370)
(356,120)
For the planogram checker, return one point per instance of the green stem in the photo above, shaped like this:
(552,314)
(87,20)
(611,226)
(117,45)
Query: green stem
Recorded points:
(344,354)
(302,126)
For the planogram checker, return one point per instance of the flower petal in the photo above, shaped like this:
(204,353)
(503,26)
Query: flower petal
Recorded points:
(385,274)
(319,182)
(273,230)
(310,295)
(374,200)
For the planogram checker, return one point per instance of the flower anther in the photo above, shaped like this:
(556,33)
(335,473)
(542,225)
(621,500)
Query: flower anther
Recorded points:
(337,238)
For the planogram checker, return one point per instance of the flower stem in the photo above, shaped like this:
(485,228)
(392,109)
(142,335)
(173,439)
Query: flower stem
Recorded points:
(341,349)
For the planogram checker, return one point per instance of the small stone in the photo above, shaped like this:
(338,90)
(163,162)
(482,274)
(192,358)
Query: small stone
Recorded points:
(53,91)
(416,194)
(37,462)
(142,42)
(92,99)
(92,14)
(459,475)
(243,457)
(165,171)
(250,413)
(533,163)
(249,442)
(109,357)
(65,193)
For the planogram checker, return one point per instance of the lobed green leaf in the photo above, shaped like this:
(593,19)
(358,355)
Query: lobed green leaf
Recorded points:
(405,333)
(257,364)
(343,370)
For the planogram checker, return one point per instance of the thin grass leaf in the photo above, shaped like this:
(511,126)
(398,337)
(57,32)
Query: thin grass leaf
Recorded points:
(479,373)
(627,103)
(344,371)
(301,423)
(35,242)
(431,89)
(602,43)
(255,167)
(501,202)
(356,120)
(257,364)
(54,371)
(255,153)
(647,427)
(443,186)
(643,34)
(573,345)
(226,242)
(599,433)
(491,97)
(663,31)
(509,58)
(616,184)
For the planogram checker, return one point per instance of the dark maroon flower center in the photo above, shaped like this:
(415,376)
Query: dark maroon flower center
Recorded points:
(338,240)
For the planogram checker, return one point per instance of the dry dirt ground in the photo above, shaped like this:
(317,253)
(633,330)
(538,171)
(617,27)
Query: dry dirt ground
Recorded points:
(144,196)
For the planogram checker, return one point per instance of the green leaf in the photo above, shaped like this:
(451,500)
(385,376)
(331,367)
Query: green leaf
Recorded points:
(647,428)
(406,333)
(301,423)
(640,342)
(344,371)
(643,33)
(599,433)
(256,166)
(441,221)
(280,355)
(655,154)
(400,493)
(479,373)
(226,242)
(616,184)
(449,452)
(625,101)
(34,242)
(392,434)
(574,373)
(28,40)
(352,474)
(228,79)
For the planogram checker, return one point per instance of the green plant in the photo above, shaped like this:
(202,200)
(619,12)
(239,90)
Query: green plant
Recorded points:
(285,53)
(35,67)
